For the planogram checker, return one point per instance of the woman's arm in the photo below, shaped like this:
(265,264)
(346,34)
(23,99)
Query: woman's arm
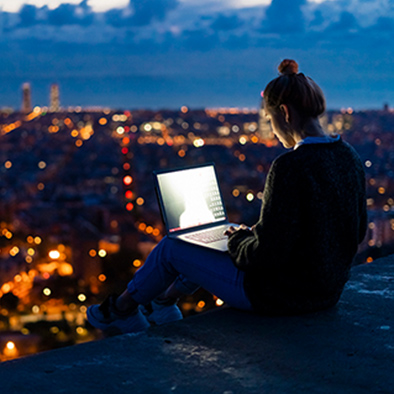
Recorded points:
(276,231)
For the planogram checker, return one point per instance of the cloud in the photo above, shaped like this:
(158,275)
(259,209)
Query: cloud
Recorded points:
(28,15)
(168,25)
(200,40)
(224,22)
(141,12)
(147,10)
(65,14)
(70,14)
(283,16)
(383,24)
(347,22)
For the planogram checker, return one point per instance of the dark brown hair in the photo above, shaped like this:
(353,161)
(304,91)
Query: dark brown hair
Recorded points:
(293,88)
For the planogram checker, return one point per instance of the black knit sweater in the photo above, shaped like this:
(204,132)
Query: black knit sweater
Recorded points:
(313,216)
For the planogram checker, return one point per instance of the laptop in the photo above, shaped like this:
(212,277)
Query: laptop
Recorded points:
(192,206)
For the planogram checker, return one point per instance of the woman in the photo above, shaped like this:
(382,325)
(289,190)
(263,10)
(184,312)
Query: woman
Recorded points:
(296,258)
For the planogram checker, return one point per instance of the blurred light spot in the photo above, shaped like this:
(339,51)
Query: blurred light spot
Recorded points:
(14,251)
(82,297)
(201,304)
(250,197)
(137,263)
(235,192)
(102,278)
(54,330)
(198,142)
(127,180)
(54,254)
(47,291)
(80,330)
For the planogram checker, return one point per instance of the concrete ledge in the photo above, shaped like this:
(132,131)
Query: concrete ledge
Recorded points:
(349,349)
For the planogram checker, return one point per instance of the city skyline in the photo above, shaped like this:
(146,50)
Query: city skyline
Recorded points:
(80,214)
(199,54)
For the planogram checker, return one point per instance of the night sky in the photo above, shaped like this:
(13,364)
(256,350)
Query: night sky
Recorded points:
(169,53)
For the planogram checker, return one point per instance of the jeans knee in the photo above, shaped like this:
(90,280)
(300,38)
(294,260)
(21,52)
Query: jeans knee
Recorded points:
(166,244)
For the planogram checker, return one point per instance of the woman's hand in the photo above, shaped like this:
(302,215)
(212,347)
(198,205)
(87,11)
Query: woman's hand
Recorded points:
(231,230)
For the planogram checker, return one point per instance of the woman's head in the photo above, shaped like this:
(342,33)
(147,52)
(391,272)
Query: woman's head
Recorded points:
(292,100)
(295,89)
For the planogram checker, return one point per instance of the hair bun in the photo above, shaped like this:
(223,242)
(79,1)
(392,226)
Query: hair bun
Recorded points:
(288,66)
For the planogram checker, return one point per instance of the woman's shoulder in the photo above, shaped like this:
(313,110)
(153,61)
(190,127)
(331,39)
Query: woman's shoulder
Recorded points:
(286,159)
(315,155)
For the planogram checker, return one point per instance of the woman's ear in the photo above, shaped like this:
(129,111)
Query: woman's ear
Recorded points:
(285,112)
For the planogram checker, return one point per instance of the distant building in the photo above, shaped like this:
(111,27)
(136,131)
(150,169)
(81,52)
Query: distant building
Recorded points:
(265,130)
(386,107)
(54,100)
(26,98)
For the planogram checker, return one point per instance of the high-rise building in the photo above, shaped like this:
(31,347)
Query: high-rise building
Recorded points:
(54,104)
(26,98)
(265,130)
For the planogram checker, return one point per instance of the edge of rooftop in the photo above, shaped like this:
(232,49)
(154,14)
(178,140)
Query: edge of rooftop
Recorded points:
(349,348)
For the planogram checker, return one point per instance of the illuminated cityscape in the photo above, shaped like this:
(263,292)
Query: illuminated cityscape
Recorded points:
(79,212)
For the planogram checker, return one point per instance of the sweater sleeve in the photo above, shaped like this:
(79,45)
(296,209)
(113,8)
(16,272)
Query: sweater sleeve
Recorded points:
(275,233)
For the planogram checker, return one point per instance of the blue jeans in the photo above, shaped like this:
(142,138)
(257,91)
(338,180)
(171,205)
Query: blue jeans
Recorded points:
(189,266)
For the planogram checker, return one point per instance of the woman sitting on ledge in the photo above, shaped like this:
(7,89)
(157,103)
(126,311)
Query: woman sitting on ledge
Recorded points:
(295,259)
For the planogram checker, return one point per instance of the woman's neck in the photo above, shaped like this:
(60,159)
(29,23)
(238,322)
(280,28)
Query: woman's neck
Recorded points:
(310,128)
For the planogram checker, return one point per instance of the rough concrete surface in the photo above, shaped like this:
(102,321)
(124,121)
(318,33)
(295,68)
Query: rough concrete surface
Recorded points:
(349,349)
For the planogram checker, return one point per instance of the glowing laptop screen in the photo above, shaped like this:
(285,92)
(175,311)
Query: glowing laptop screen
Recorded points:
(190,198)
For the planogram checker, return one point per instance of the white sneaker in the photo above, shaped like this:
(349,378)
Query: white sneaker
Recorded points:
(160,313)
(112,322)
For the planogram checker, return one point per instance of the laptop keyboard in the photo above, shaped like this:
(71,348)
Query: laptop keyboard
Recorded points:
(208,236)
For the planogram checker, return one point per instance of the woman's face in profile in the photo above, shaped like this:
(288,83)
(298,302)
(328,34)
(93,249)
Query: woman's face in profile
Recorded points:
(280,127)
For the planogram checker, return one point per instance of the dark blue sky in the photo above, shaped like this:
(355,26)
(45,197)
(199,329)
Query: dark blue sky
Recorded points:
(168,53)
